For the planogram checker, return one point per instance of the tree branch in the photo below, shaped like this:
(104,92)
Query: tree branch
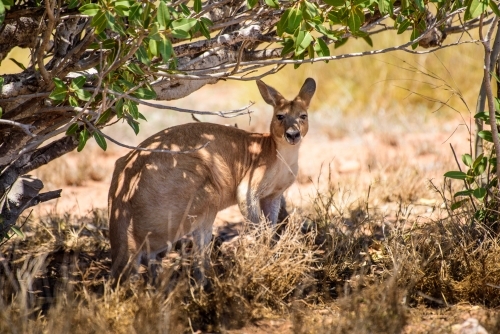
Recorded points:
(25,127)
(489,91)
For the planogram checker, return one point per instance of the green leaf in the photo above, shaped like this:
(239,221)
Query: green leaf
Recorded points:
(90,9)
(111,22)
(134,68)
(73,4)
(184,24)
(298,57)
(385,7)
(134,12)
(456,175)
(73,101)
(78,82)
(134,125)
(153,48)
(252,3)
(321,48)
(144,93)
(414,35)
(2,13)
(335,3)
(58,94)
(475,8)
(273,3)
(59,83)
(368,40)
(141,116)
(303,40)
(185,9)
(494,7)
(287,47)
(197,6)
(108,44)
(17,231)
(486,135)
(479,193)
(341,42)
(294,20)
(458,204)
(1,112)
(165,48)
(181,27)
(163,15)
(146,14)
(479,165)
(207,22)
(282,24)
(467,159)
(21,65)
(310,10)
(204,30)
(328,33)
(82,139)
(420,4)
(463,193)
(353,21)
(404,26)
(119,108)
(122,7)
(99,22)
(83,94)
(482,115)
(132,109)
(101,141)
(105,116)
(142,55)
(72,129)
(2,80)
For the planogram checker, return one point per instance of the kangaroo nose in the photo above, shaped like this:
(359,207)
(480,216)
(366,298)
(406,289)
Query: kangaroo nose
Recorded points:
(292,136)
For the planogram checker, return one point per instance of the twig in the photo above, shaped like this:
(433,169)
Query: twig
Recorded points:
(137,148)
(238,61)
(25,127)
(225,114)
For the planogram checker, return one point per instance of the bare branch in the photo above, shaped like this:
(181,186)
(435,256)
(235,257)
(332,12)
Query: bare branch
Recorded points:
(25,127)
(45,41)
(225,114)
(137,148)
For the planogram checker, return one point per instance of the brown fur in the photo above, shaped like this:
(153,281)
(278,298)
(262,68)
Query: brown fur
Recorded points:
(156,198)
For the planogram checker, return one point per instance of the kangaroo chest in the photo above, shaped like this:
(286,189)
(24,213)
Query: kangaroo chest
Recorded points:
(277,179)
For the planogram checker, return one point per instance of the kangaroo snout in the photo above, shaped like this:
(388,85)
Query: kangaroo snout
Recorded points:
(292,136)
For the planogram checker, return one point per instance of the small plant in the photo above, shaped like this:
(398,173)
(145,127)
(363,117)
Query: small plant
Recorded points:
(480,180)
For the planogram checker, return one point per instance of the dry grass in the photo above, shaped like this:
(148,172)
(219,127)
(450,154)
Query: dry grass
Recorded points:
(341,270)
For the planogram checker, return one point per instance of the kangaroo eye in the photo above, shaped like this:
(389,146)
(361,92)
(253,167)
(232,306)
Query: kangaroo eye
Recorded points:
(303,116)
(280,117)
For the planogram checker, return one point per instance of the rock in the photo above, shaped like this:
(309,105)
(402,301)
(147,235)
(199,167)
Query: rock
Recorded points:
(469,326)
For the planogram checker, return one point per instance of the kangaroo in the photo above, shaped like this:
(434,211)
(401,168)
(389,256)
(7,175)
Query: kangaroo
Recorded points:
(156,198)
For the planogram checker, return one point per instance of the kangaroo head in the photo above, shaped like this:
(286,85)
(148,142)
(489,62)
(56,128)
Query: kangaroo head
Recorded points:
(289,123)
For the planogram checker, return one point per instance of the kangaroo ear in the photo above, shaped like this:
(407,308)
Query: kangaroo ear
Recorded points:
(269,94)
(307,91)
